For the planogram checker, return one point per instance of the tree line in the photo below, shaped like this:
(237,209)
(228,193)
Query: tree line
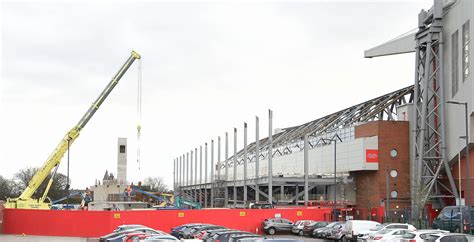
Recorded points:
(12,188)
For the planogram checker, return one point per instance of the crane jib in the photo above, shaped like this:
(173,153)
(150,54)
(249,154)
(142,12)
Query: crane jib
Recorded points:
(25,200)
(108,89)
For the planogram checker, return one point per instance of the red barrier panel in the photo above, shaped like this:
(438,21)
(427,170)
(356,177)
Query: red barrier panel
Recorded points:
(98,223)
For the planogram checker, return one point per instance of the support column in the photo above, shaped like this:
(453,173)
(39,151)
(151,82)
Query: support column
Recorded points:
(306,170)
(282,192)
(183,172)
(187,170)
(270,156)
(200,175)
(226,198)
(257,159)
(174,176)
(191,182)
(235,166)
(296,194)
(218,165)
(178,182)
(245,164)
(205,176)
(212,173)
(196,191)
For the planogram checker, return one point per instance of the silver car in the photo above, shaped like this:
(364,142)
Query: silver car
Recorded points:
(299,225)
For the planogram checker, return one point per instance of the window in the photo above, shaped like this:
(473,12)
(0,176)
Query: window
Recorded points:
(393,153)
(122,148)
(454,63)
(394,173)
(394,194)
(465,50)
(400,226)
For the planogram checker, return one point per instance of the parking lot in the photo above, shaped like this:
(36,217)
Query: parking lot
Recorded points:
(21,238)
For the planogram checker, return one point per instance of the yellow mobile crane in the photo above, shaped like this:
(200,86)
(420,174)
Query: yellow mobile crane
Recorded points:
(25,201)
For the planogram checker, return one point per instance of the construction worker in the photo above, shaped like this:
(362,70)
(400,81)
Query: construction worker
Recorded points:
(87,198)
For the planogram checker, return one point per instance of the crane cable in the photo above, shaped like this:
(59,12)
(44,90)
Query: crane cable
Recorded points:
(139,109)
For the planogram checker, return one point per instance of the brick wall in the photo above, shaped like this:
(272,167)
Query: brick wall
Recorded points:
(371,185)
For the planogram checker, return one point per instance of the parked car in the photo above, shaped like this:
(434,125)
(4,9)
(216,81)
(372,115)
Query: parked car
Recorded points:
(199,230)
(359,228)
(185,233)
(299,225)
(210,233)
(320,232)
(136,236)
(129,226)
(224,237)
(159,238)
(388,226)
(273,225)
(388,235)
(118,236)
(450,216)
(337,233)
(238,237)
(176,230)
(448,237)
(308,229)
(269,240)
(420,235)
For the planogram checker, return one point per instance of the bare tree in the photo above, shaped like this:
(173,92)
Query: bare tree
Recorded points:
(156,184)
(57,190)
(5,188)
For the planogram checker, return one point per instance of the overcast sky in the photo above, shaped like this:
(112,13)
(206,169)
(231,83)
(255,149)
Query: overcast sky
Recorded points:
(207,67)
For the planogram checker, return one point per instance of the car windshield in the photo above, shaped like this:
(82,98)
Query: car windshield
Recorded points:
(313,224)
(332,224)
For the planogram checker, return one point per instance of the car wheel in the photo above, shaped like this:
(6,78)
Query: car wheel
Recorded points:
(300,233)
(271,231)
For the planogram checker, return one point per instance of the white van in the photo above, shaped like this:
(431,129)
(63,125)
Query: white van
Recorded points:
(359,228)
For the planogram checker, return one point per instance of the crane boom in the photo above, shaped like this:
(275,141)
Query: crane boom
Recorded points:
(25,200)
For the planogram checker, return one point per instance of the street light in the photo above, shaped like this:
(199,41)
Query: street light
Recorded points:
(387,186)
(334,138)
(468,166)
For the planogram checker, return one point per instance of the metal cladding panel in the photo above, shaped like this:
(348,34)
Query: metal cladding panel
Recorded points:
(403,44)
(453,21)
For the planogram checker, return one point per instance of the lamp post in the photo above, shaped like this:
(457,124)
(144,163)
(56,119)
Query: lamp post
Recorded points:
(387,186)
(335,138)
(468,166)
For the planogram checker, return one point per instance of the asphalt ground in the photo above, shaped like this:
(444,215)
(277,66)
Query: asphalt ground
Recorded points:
(291,236)
(21,238)
(32,238)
